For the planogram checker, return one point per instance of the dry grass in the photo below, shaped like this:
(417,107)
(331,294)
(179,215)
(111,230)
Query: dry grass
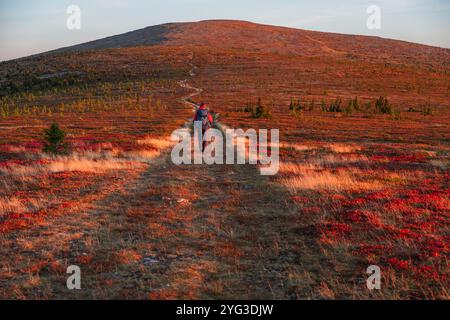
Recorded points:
(343,148)
(312,177)
(158,143)
(296,146)
(14,205)
(86,165)
(71,163)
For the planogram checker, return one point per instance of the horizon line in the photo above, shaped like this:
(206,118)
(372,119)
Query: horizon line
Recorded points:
(225,20)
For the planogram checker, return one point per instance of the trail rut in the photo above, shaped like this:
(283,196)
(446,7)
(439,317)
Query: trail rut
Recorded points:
(199,231)
(188,232)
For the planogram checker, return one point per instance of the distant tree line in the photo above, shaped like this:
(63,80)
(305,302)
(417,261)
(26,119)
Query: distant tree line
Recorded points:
(380,105)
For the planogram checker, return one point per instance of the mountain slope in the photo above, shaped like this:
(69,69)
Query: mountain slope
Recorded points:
(251,36)
(143,37)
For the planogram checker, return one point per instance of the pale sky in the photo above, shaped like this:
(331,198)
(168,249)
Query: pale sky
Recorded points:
(28,27)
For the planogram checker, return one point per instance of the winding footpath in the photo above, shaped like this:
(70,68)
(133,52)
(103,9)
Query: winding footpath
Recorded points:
(185,232)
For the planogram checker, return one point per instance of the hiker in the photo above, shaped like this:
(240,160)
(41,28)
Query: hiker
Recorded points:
(204,115)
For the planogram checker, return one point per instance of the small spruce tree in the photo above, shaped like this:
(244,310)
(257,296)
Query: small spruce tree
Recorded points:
(261,111)
(311,106)
(54,140)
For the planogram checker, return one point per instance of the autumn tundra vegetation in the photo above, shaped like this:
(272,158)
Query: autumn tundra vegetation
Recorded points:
(86,178)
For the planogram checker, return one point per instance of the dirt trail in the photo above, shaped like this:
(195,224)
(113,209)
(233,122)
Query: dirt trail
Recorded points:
(197,231)
(189,231)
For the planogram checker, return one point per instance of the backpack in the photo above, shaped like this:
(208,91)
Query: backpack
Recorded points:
(202,115)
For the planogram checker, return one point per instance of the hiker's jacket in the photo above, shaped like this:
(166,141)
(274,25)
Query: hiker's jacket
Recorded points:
(210,118)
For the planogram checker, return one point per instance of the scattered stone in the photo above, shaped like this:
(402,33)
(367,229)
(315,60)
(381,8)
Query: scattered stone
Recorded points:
(149,261)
